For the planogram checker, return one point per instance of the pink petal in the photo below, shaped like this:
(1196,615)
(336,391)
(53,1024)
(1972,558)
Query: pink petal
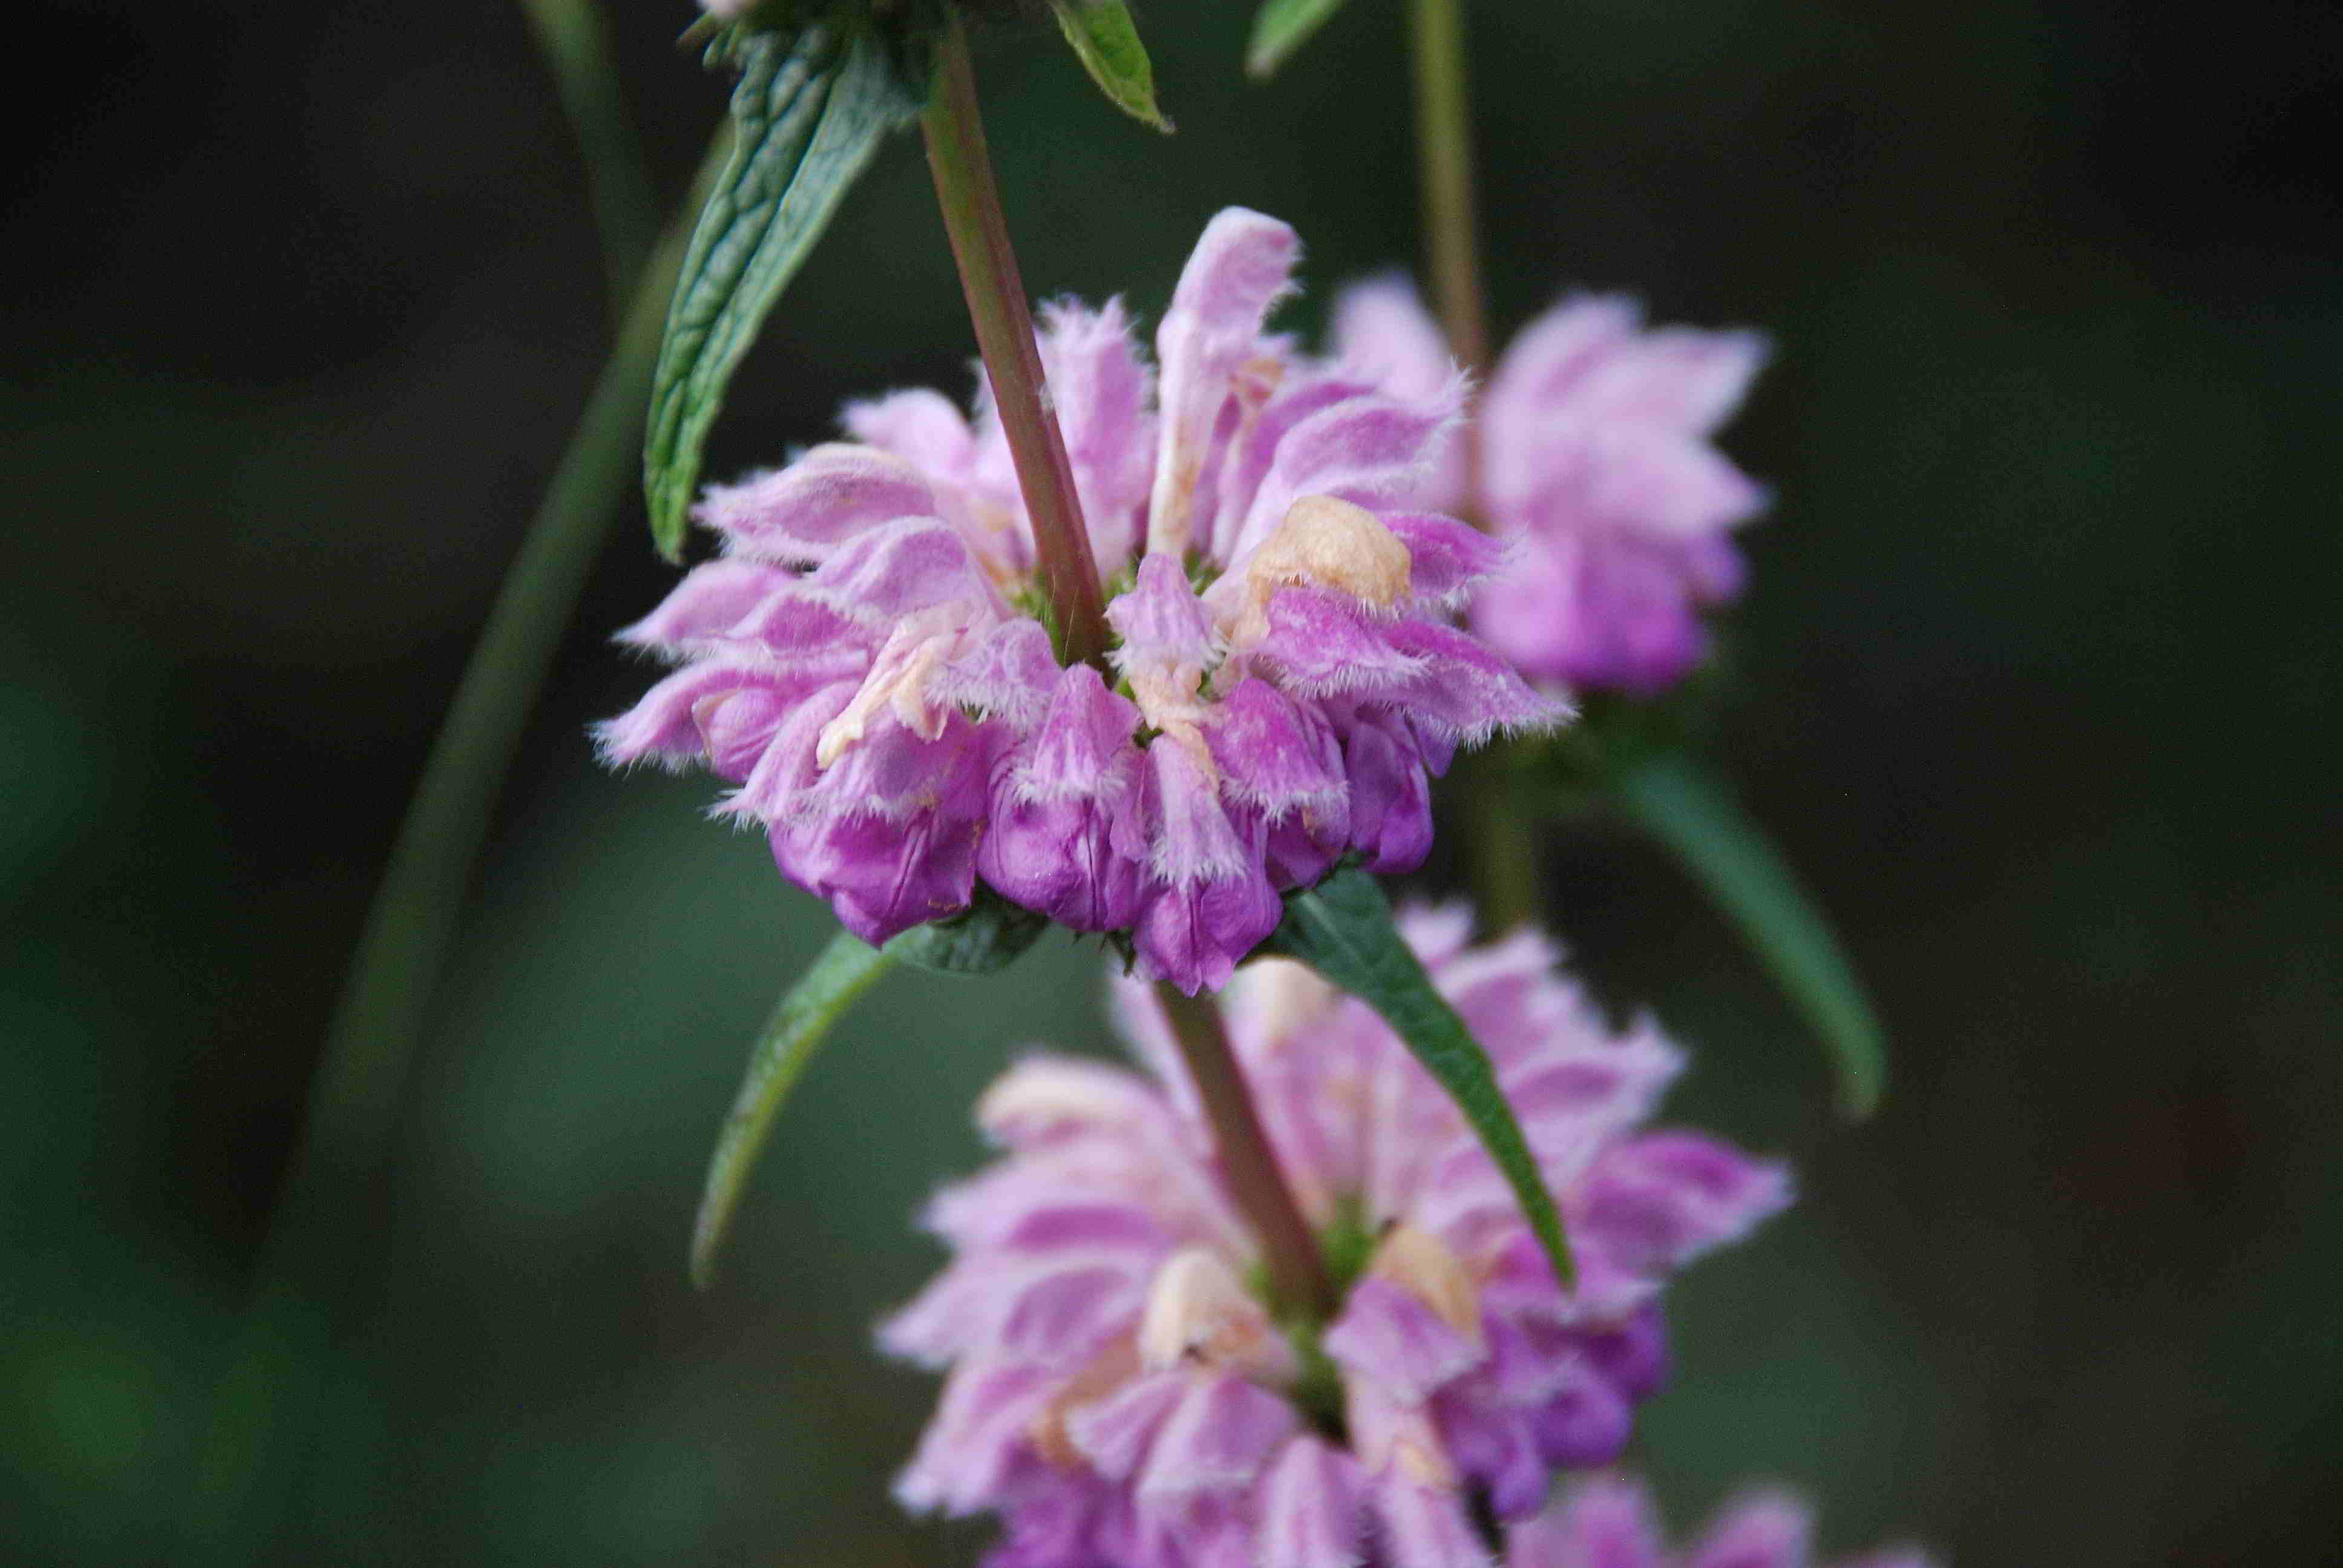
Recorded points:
(805,511)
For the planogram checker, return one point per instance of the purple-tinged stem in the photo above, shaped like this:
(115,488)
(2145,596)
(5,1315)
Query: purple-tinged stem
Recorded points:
(1004,335)
(1297,1272)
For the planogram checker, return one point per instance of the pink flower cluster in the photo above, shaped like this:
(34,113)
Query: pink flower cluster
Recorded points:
(1597,464)
(868,665)
(1609,1522)
(1121,1393)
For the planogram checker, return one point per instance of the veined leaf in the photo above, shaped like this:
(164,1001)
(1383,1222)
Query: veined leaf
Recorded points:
(1107,43)
(803,1018)
(809,110)
(1343,929)
(1701,823)
(1280,27)
(987,937)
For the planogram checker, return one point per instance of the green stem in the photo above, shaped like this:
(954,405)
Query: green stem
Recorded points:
(1504,843)
(1444,150)
(266,1403)
(1004,335)
(618,178)
(1297,1271)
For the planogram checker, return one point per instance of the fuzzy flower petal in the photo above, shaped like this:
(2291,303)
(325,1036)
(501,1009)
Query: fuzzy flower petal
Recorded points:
(870,662)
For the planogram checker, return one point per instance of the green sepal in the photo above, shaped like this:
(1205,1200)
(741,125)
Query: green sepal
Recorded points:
(1106,41)
(1343,929)
(801,1021)
(1695,817)
(1280,27)
(809,109)
(990,934)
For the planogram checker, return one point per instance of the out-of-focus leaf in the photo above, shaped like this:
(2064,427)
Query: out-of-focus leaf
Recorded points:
(988,935)
(1343,929)
(1280,27)
(1107,44)
(985,938)
(809,110)
(1701,823)
(846,969)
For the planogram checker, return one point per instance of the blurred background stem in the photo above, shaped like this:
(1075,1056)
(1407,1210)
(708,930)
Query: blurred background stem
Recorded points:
(251,1453)
(1501,843)
(997,308)
(1444,159)
(577,46)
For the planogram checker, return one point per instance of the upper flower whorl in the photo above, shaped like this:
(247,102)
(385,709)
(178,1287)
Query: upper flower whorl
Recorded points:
(868,665)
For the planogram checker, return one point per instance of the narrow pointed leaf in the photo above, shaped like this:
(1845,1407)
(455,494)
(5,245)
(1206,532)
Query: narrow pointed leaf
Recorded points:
(809,112)
(1280,27)
(1696,817)
(846,969)
(1343,929)
(1107,43)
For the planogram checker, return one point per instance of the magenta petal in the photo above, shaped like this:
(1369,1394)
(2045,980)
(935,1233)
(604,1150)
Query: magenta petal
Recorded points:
(1310,1505)
(1239,265)
(1585,1422)
(920,426)
(1389,1334)
(1656,1201)
(882,575)
(1327,644)
(1463,690)
(806,511)
(1115,1434)
(1065,838)
(1446,559)
(1011,674)
(1390,798)
(1212,902)
(710,599)
(1195,937)
(1676,377)
(1364,450)
(1275,755)
(1160,620)
(1217,1439)
(1764,1529)
(1100,387)
(1600,1522)
(1074,860)
(1379,330)
(1424,1527)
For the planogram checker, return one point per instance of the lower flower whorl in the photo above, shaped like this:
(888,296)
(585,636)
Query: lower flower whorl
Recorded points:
(1122,1391)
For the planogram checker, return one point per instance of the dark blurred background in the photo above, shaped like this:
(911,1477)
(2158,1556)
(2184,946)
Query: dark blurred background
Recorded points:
(301,303)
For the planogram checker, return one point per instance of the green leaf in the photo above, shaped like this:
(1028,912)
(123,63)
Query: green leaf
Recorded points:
(809,110)
(1107,44)
(988,935)
(1700,822)
(1342,928)
(1280,27)
(846,969)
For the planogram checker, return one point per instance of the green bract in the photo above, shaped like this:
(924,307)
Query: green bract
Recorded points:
(1342,928)
(809,110)
(1107,43)
(1283,26)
